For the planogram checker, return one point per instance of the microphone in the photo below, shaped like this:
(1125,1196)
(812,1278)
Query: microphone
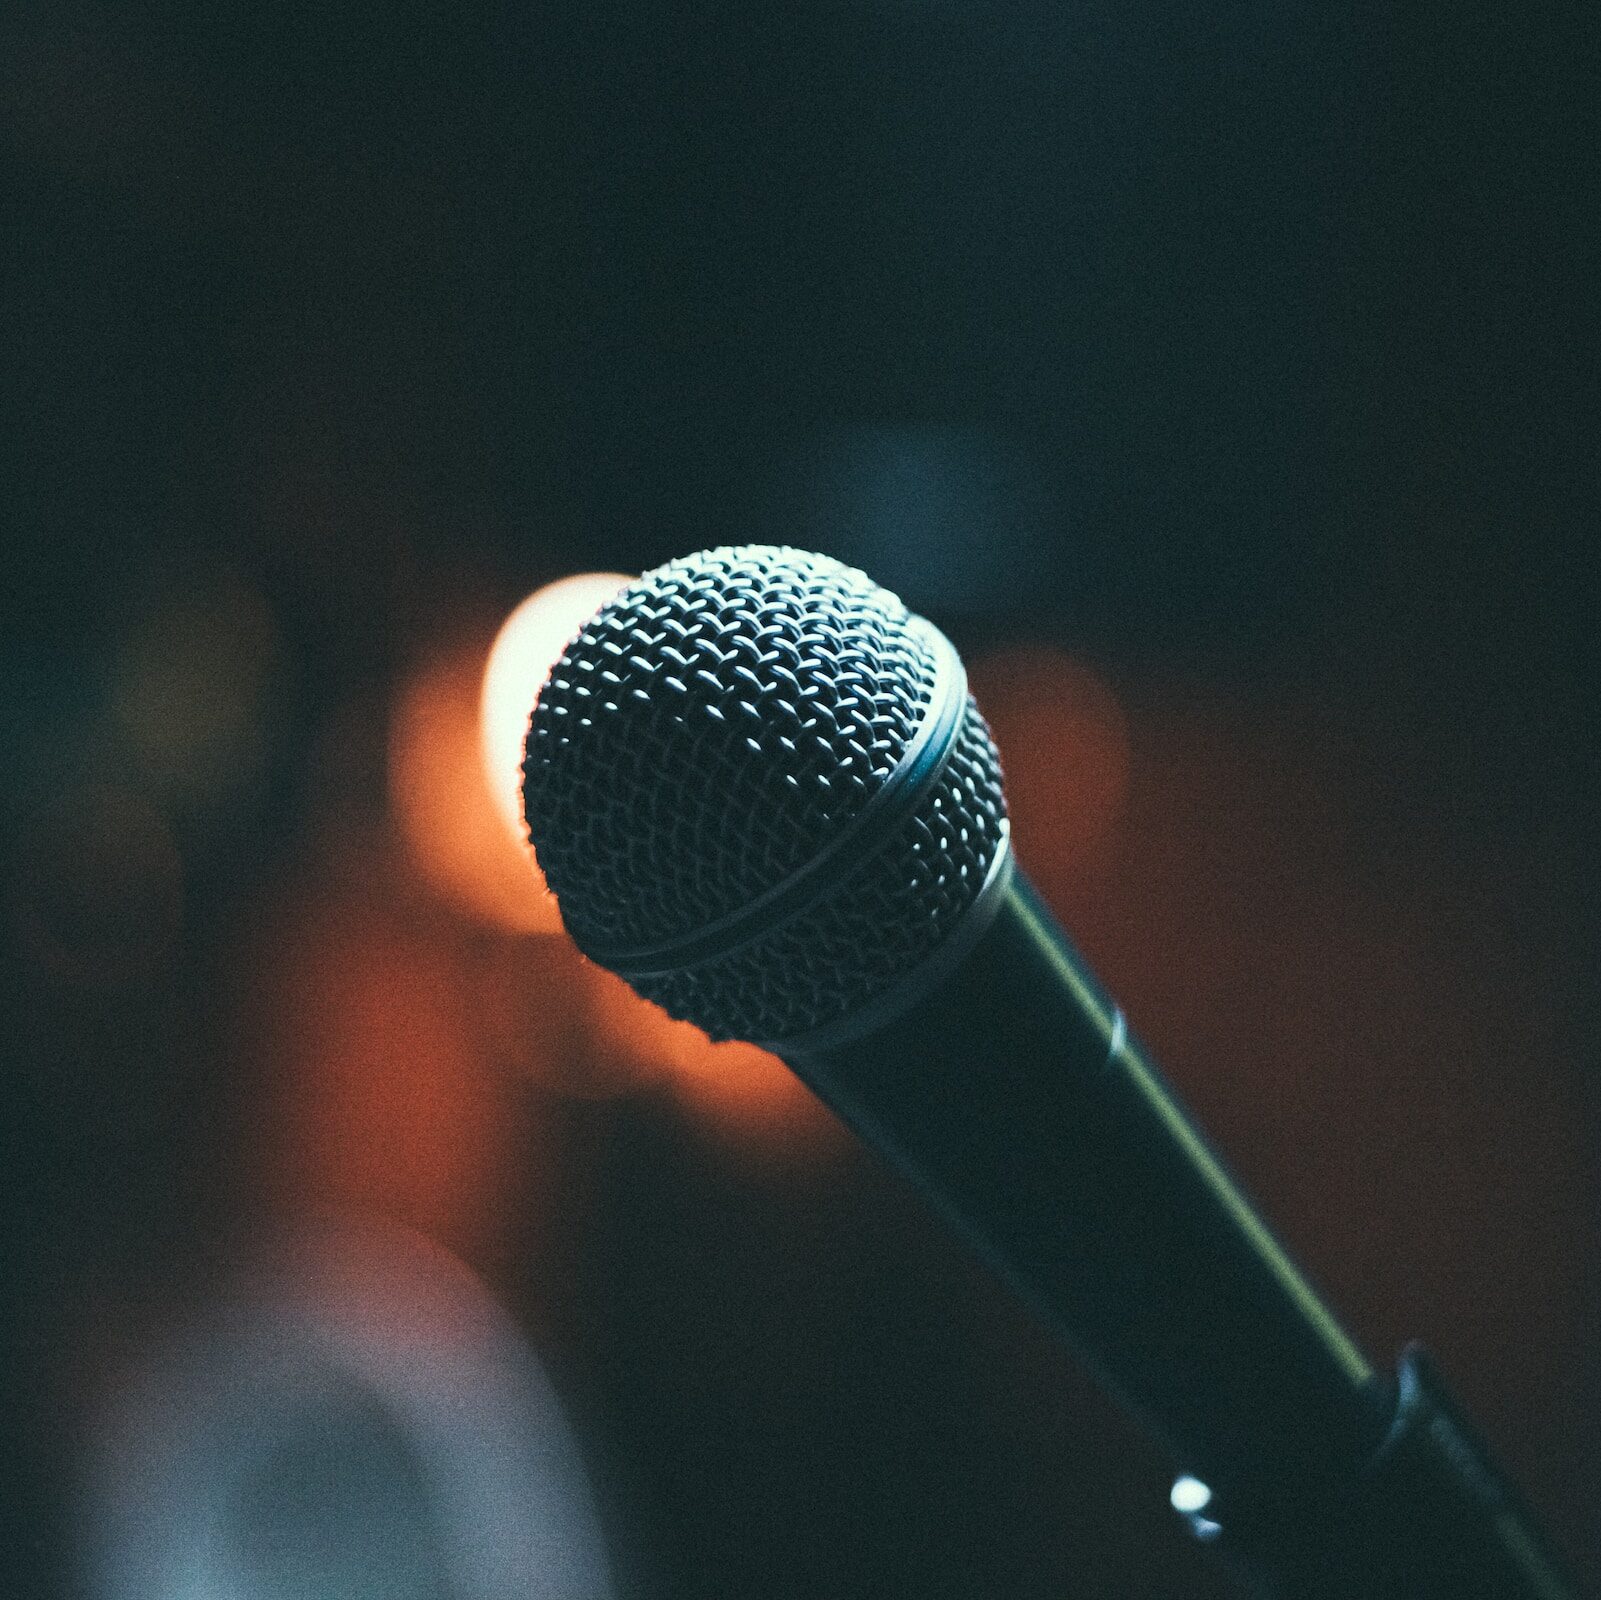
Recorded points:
(761,793)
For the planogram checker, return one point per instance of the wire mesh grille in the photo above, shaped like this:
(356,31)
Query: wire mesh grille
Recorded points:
(704,736)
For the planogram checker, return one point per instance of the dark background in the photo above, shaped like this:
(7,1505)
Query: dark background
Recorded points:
(1244,352)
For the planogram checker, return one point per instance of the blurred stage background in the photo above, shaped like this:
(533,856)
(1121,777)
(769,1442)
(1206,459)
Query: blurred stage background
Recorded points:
(1219,378)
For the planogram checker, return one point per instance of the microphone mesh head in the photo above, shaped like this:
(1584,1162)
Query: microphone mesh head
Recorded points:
(706,735)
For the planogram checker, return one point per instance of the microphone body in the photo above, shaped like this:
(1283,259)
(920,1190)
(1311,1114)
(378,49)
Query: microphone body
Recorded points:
(762,794)
(1015,1098)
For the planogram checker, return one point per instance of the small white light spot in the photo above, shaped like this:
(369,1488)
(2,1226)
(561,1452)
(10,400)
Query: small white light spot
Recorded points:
(1190,1495)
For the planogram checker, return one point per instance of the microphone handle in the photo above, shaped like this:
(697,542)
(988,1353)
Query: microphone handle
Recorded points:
(1015,1098)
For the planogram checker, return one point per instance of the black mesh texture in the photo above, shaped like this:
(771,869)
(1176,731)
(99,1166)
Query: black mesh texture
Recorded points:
(708,730)
(873,928)
(704,736)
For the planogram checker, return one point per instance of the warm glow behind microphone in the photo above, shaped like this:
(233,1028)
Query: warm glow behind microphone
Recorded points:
(528,645)
(455,741)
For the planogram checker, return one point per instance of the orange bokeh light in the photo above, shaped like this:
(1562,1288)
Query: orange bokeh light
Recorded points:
(526,648)
(452,828)
(455,749)
(455,759)
(381,1094)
